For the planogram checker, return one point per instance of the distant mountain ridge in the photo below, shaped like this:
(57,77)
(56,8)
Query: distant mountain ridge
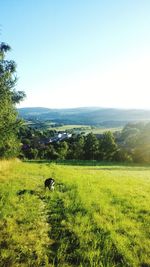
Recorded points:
(85,115)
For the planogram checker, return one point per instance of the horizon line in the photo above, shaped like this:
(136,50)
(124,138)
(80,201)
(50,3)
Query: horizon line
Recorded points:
(82,107)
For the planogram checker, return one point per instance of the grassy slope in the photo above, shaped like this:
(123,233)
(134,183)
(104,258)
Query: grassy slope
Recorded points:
(97,216)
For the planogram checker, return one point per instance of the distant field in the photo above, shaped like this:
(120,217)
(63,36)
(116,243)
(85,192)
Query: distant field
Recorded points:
(71,127)
(85,128)
(98,215)
(74,128)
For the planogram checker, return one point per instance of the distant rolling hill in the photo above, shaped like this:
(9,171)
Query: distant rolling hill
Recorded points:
(87,115)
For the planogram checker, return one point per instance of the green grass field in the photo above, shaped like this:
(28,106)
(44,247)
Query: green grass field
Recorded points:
(86,128)
(98,215)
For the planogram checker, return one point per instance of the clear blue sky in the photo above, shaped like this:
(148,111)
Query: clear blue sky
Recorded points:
(72,53)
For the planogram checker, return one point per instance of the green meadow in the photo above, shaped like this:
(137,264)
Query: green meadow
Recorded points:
(86,128)
(97,216)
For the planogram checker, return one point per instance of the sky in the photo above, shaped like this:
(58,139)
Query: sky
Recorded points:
(79,53)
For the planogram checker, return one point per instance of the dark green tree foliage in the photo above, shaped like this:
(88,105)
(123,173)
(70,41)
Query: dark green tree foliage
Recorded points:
(9,144)
(76,146)
(62,150)
(107,146)
(132,144)
(141,151)
(91,147)
(134,141)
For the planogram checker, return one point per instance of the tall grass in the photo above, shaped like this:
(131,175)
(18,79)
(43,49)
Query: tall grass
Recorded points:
(97,215)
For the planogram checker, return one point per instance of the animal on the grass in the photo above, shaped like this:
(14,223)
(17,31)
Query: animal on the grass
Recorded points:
(49,182)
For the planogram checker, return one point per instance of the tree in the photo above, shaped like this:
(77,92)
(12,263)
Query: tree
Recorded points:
(90,147)
(50,153)
(62,150)
(141,152)
(9,123)
(130,135)
(76,146)
(107,146)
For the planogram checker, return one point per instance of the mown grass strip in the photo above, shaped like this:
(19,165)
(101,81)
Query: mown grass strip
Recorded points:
(77,240)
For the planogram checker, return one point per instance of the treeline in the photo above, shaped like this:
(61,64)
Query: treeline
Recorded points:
(35,145)
(132,144)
